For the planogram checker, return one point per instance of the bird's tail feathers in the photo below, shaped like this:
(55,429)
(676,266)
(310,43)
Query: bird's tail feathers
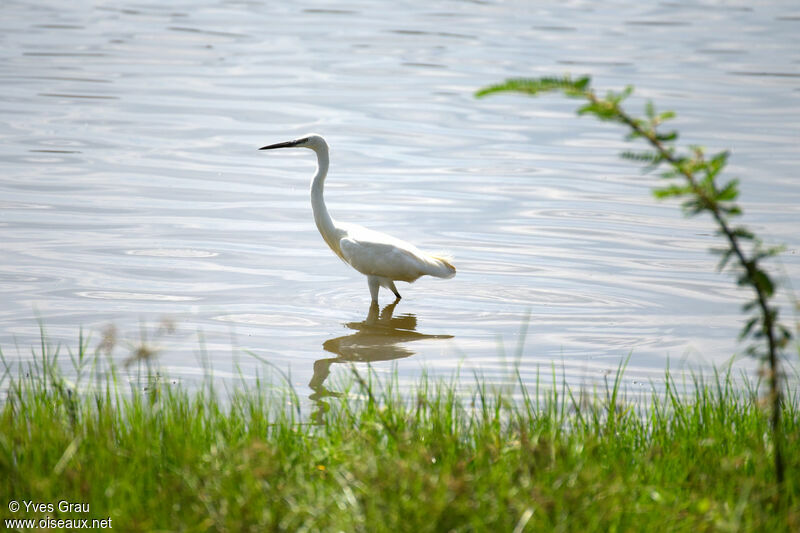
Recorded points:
(442,265)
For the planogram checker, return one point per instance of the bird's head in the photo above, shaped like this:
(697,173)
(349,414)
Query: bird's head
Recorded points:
(313,141)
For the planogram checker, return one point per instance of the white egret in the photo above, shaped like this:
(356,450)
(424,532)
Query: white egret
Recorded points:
(380,257)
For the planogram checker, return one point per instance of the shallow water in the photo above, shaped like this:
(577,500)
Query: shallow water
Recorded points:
(132,189)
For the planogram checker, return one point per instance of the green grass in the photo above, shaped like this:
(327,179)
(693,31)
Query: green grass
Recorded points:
(431,460)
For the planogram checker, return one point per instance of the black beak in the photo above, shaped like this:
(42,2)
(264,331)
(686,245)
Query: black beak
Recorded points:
(287,144)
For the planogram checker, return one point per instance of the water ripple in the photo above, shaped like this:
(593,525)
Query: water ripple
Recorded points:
(132,187)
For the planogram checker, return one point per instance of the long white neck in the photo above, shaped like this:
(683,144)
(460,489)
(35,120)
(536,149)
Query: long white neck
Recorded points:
(322,218)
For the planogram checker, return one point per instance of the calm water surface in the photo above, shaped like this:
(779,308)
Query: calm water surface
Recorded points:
(132,190)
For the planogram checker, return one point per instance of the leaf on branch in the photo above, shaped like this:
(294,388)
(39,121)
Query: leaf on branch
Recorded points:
(651,158)
(650,110)
(665,116)
(717,163)
(733,210)
(742,233)
(693,207)
(785,335)
(533,86)
(620,96)
(775,250)
(634,134)
(762,280)
(671,191)
(748,327)
(644,157)
(667,137)
(754,352)
(765,253)
(726,254)
(729,192)
(671,174)
(602,109)
(749,306)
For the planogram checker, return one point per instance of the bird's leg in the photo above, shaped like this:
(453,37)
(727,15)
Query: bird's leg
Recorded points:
(394,289)
(374,284)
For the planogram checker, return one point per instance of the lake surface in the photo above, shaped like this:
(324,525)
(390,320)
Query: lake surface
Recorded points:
(132,191)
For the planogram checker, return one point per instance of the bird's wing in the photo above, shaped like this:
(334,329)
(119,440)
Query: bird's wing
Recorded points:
(387,259)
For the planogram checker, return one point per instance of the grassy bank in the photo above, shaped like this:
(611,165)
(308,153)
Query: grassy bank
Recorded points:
(167,459)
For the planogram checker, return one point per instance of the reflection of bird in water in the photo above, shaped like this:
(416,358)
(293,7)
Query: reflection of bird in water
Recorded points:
(380,257)
(378,338)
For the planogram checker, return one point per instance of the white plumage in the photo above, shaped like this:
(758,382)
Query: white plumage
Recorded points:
(382,258)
